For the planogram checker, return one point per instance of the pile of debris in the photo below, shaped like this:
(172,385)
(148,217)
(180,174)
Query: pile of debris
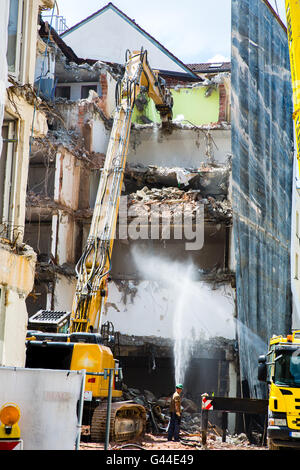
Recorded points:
(158,417)
(219,210)
(68,139)
(211,180)
(147,195)
(159,175)
(158,411)
(146,199)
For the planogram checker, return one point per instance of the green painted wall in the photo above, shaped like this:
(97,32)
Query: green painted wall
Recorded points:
(148,114)
(191,105)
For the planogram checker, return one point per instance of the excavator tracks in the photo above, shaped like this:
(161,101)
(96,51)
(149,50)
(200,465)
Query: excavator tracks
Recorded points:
(127,421)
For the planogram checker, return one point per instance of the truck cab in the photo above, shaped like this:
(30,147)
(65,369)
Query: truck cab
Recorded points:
(280,369)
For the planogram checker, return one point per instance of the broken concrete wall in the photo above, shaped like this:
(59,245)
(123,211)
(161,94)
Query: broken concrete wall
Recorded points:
(140,300)
(16,282)
(51,226)
(101,83)
(23,118)
(150,295)
(3,61)
(45,70)
(186,164)
(83,118)
(196,104)
(210,180)
(77,78)
(60,176)
(130,302)
(183,146)
(64,293)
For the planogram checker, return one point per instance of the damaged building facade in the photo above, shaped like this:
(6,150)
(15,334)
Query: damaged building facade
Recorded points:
(172,293)
(182,169)
(21,118)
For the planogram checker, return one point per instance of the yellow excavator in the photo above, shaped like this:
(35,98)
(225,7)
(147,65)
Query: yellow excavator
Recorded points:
(81,347)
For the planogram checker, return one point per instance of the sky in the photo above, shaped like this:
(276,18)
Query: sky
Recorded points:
(193,30)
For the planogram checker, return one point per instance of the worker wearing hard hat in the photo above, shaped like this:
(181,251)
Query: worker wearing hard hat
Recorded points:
(175,413)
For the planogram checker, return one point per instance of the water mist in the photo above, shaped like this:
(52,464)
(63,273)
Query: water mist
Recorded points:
(196,313)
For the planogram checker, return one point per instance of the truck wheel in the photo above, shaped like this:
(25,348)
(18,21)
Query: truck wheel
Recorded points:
(272,446)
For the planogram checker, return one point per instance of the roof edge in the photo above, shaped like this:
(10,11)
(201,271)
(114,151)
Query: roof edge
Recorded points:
(110,5)
(87,19)
(266,2)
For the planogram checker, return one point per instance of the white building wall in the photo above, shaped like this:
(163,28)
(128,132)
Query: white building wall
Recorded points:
(168,311)
(3,61)
(14,323)
(163,310)
(64,293)
(100,39)
(75,89)
(183,147)
(100,137)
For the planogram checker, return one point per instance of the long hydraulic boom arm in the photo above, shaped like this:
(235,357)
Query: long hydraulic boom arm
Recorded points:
(94,265)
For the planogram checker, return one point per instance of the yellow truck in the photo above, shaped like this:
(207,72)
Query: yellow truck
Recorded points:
(280,369)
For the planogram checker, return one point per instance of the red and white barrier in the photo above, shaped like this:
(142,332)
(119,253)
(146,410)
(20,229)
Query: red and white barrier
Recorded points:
(206,404)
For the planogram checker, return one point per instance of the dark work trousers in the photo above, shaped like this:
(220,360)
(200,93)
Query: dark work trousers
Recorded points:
(174,427)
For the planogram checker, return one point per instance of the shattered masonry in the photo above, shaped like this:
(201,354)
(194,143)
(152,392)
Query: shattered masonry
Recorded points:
(187,163)
(58,121)
(22,117)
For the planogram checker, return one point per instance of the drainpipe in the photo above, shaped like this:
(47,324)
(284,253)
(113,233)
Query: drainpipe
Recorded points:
(109,372)
(80,411)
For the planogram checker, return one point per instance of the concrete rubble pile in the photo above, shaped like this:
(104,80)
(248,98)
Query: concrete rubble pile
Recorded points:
(143,200)
(210,179)
(158,420)
(159,175)
(158,410)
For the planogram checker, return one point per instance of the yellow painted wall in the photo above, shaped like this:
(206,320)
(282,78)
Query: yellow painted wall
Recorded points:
(17,271)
